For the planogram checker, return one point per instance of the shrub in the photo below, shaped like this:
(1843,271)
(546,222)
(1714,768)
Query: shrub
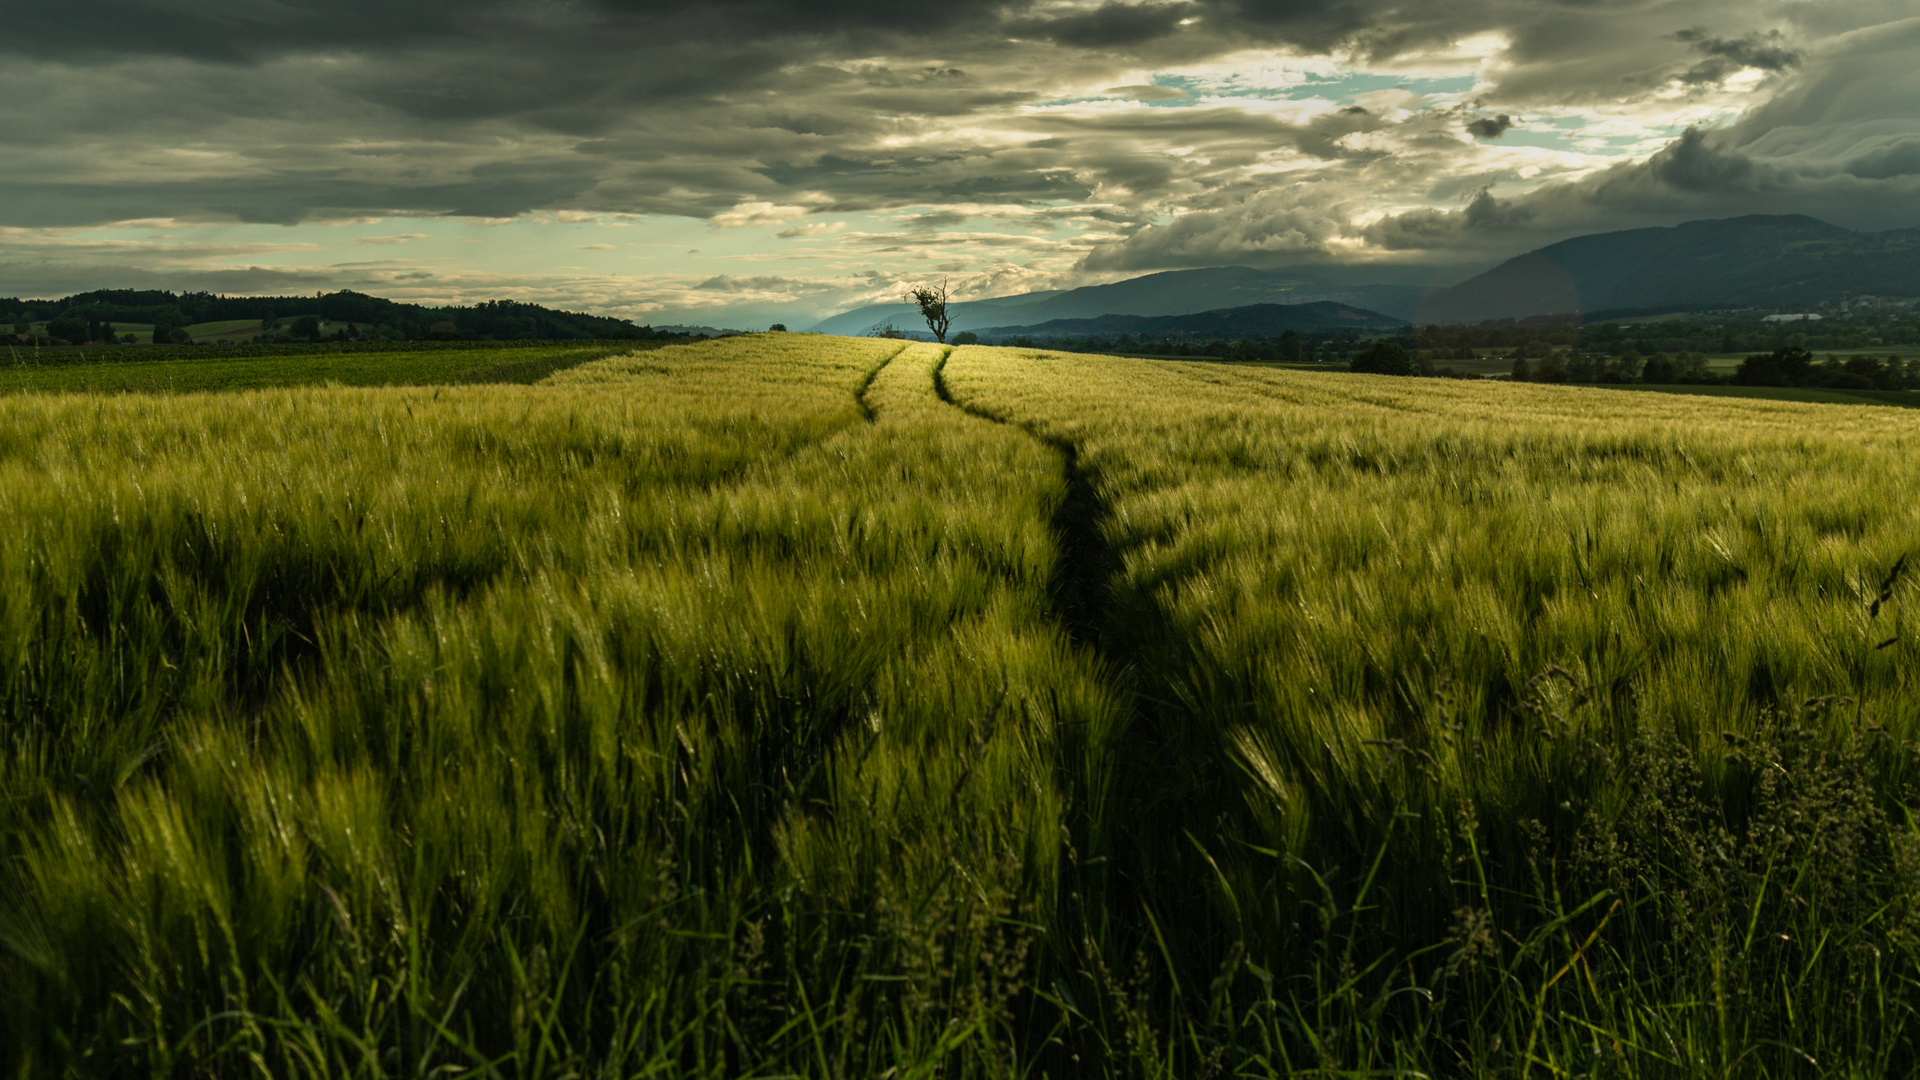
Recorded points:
(70,329)
(1789,365)
(1385,358)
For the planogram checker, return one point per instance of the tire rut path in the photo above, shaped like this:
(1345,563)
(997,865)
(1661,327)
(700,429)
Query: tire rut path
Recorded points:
(867,412)
(1086,565)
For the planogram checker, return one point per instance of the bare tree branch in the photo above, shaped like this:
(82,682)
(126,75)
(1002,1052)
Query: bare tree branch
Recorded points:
(933,308)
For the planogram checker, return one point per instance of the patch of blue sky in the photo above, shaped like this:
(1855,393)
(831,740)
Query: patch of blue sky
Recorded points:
(1627,142)
(1342,89)
(1339,89)
(1545,140)
(1674,128)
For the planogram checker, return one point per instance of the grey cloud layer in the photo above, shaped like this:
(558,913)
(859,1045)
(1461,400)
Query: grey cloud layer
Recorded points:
(1837,137)
(325,109)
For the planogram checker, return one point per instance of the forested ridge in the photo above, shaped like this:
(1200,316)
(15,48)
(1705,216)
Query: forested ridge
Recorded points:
(499,320)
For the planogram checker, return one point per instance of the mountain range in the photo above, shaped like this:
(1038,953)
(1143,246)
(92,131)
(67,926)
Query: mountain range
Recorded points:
(1758,261)
(1252,320)
(1765,261)
(1174,292)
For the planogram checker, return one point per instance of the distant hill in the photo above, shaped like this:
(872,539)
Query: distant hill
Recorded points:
(968,315)
(1174,292)
(1251,320)
(1758,261)
(1182,292)
(497,320)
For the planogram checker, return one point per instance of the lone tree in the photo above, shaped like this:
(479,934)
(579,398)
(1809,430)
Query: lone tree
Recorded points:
(933,308)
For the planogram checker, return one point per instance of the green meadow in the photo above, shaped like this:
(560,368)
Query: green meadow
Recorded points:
(108,370)
(794,706)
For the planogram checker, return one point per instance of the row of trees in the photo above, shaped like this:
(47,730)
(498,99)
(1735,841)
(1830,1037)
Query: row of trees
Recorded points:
(1681,368)
(1789,366)
(77,328)
(1534,358)
(168,312)
(1709,333)
(169,328)
(1797,367)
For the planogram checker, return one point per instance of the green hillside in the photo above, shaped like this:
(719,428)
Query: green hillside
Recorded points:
(1757,261)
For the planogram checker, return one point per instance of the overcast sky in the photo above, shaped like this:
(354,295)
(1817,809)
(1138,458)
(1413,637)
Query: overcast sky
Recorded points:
(735,163)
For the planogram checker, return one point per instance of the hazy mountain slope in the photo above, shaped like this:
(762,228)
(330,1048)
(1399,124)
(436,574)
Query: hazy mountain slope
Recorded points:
(1174,292)
(1252,320)
(1181,292)
(1746,261)
(1756,261)
(862,320)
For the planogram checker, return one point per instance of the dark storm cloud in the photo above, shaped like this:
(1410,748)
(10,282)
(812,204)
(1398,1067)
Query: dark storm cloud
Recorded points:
(1726,56)
(54,278)
(1427,229)
(249,30)
(1110,25)
(490,190)
(1697,164)
(1314,24)
(1887,162)
(1490,127)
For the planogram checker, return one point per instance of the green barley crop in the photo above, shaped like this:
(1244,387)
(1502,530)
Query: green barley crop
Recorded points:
(842,708)
(107,371)
(1504,729)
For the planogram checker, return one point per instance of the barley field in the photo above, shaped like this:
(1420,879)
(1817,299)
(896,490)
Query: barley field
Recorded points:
(820,707)
(120,370)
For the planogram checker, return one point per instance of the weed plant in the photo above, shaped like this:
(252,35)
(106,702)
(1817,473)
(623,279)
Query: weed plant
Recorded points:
(797,706)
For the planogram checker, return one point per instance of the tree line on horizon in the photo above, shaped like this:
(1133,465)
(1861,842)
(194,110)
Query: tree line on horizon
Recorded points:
(1787,366)
(1744,332)
(86,318)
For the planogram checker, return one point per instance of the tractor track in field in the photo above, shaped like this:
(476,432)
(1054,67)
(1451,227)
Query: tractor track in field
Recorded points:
(860,393)
(1086,564)
(1130,839)
(1135,848)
